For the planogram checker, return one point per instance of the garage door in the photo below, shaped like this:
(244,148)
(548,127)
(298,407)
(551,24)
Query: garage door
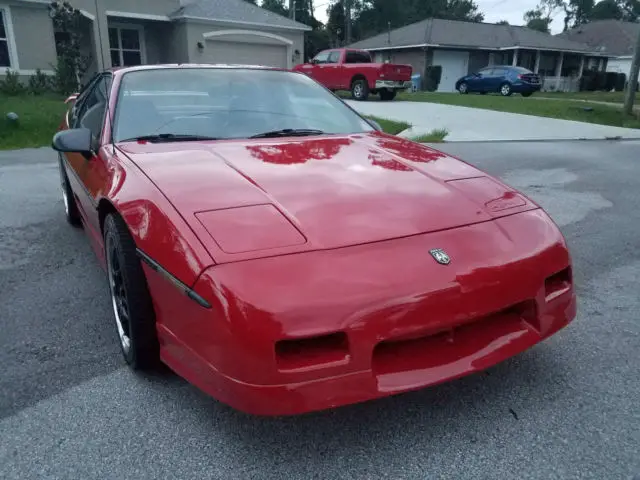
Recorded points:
(454,64)
(218,51)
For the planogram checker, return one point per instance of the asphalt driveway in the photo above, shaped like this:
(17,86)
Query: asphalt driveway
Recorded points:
(467,124)
(566,409)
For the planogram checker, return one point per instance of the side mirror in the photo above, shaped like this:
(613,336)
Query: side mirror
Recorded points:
(374,124)
(76,140)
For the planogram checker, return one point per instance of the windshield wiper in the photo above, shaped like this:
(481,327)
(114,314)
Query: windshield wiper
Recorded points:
(288,132)
(169,137)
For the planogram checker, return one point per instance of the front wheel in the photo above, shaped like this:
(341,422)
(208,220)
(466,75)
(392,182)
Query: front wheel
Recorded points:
(463,88)
(360,90)
(130,297)
(387,95)
(505,89)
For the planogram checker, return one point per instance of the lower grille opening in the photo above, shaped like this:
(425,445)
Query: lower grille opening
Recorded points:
(558,284)
(312,352)
(449,345)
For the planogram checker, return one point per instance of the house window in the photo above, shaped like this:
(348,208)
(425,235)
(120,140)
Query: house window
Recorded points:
(126,45)
(4,40)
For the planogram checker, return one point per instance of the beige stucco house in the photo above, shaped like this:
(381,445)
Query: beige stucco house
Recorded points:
(131,32)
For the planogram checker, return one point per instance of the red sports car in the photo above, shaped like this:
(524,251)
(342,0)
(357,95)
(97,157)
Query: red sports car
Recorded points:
(281,253)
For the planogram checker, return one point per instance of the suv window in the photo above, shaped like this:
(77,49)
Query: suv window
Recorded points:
(91,112)
(357,57)
(334,57)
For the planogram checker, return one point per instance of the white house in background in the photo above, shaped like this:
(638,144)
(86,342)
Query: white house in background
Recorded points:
(614,37)
(465,47)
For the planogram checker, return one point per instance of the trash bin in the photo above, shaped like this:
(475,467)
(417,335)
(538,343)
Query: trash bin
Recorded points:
(416,82)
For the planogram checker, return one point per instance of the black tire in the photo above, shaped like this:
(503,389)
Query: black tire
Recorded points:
(360,90)
(463,88)
(527,94)
(387,95)
(130,298)
(505,89)
(70,207)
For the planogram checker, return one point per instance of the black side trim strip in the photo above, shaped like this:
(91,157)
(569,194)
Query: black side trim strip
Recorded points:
(177,283)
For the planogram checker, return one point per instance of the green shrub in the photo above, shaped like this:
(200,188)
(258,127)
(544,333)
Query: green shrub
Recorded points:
(39,83)
(64,79)
(432,75)
(11,84)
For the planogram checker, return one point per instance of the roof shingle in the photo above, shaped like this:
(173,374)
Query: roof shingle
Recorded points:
(616,37)
(234,11)
(455,33)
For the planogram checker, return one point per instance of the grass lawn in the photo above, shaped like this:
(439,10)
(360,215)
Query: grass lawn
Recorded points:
(390,126)
(612,97)
(561,108)
(434,136)
(39,120)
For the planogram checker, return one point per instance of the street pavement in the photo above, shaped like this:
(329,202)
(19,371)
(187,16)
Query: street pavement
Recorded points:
(567,409)
(466,124)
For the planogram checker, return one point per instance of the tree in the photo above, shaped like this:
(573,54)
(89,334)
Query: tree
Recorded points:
(71,64)
(536,21)
(576,12)
(336,23)
(371,17)
(276,6)
(606,9)
(502,22)
(540,18)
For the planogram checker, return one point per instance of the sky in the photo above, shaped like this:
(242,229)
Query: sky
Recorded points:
(494,10)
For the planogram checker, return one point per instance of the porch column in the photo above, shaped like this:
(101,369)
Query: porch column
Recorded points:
(581,69)
(559,70)
(601,64)
(515,58)
(537,65)
(492,59)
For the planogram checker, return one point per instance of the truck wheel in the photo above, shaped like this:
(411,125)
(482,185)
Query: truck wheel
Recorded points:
(360,90)
(387,95)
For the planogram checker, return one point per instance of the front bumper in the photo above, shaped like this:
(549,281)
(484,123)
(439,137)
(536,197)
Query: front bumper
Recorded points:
(298,333)
(392,84)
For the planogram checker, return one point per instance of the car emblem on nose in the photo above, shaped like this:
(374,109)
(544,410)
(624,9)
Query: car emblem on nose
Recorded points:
(440,256)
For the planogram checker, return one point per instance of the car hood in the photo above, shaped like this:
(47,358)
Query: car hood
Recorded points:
(265,197)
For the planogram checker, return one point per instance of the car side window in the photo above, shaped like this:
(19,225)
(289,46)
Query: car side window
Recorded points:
(322,57)
(499,72)
(82,95)
(334,57)
(486,72)
(92,111)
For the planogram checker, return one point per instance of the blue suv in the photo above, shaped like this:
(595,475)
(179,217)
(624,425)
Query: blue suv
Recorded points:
(502,79)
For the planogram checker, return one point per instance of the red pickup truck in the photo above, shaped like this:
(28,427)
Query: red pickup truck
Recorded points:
(347,69)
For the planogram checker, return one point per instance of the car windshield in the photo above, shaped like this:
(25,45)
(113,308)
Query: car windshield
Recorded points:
(221,103)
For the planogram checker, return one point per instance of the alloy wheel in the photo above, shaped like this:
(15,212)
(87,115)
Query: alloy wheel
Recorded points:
(118,295)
